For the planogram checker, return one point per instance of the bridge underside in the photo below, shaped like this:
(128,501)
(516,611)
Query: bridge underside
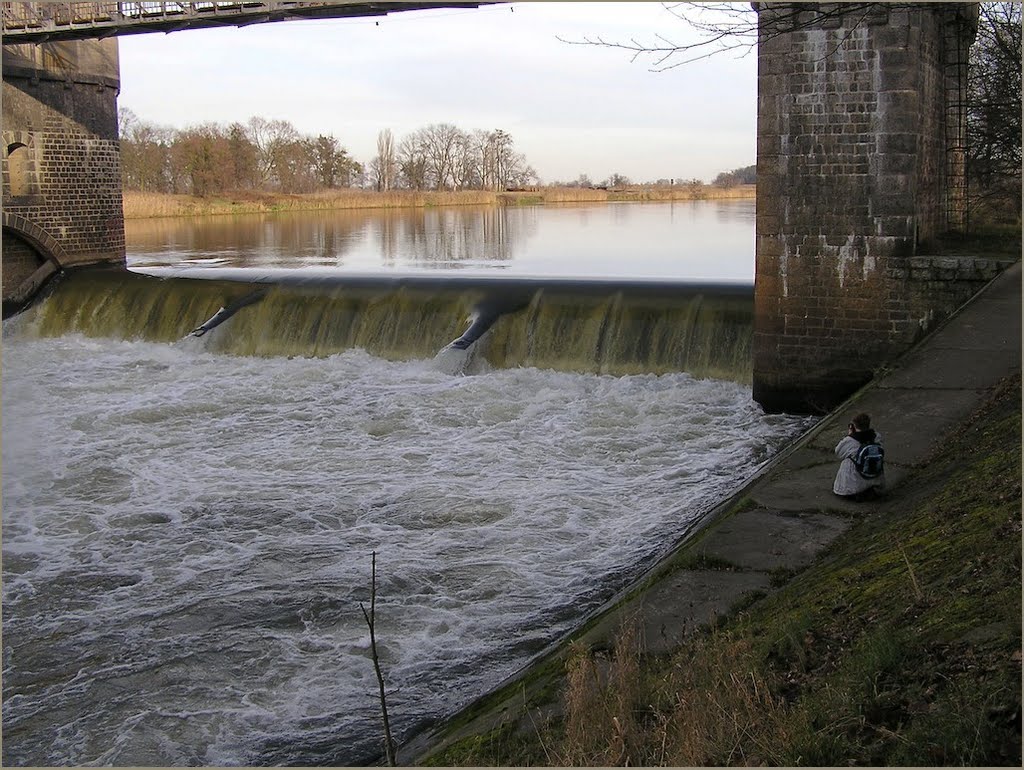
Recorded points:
(49,22)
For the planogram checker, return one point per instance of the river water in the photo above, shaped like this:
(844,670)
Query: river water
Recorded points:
(679,240)
(188,532)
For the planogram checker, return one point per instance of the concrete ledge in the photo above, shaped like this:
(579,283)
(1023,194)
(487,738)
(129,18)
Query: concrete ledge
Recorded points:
(686,600)
(767,540)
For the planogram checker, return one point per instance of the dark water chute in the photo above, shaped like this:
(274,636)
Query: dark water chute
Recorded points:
(227,311)
(600,326)
(487,312)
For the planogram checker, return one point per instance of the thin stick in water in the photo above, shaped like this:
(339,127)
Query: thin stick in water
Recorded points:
(371,616)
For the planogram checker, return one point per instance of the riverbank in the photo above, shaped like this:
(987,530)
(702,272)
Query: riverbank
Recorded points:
(803,629)
(144,205)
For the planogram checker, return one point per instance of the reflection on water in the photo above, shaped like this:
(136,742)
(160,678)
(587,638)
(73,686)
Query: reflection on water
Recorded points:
(363,239)
(678,240)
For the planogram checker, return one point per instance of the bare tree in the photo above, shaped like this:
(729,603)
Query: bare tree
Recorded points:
(440,143)
(734,28)
(202,160)
(385,165)
(994,113)
(270,137)
(412,163)
(466,163)
(330,163)
(504,157)
(243,157)
(145,153)
(371,621)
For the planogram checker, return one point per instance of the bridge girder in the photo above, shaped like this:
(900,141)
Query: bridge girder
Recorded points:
(51,22)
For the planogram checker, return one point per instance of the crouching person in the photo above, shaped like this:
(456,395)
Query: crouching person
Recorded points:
(861,473)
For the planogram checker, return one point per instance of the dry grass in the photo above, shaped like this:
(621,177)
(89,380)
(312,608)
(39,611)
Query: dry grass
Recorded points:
(141,205)
(601,728)
(711,707)
(593,195)
(724,711)
(144,205)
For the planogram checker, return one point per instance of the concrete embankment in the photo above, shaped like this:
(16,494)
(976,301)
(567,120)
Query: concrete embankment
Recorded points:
(783,519)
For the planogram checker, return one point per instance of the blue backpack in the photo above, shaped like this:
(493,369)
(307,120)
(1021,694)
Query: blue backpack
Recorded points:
(868,460)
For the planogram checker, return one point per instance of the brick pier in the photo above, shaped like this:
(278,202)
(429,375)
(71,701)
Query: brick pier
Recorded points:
(61,162)
(860,167)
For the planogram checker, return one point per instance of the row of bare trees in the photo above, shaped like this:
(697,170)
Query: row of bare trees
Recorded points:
(272,155)
(443,157)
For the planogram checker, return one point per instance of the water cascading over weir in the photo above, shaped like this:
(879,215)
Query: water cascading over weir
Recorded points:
(63,218)
(606,327)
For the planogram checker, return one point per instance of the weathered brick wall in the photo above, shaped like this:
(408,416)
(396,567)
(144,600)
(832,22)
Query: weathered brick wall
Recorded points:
(61,157)
(851,186)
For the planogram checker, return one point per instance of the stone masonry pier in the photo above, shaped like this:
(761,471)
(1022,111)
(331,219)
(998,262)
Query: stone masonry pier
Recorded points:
(860,167)
(61,163)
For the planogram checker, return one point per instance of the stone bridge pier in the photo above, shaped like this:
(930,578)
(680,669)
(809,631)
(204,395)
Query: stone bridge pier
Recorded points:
(61,162)
(860,165)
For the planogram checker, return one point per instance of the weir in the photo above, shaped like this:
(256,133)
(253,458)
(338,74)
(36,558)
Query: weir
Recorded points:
(603,327)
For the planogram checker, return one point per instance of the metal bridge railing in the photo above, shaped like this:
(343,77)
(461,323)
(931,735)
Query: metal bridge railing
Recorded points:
(39,15)
(26,22)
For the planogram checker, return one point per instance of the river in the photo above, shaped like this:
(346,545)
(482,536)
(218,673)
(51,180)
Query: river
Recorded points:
(188,530)
(677,240)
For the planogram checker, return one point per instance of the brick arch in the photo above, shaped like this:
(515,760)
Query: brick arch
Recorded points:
(37,237)
(18,137)
(19,156)
(31,257)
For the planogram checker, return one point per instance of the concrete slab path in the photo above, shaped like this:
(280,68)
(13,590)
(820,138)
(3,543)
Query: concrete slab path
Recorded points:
(793,514)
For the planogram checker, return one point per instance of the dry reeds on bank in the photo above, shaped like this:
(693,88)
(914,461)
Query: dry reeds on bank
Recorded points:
(146,205)
(711,708)
(143,205)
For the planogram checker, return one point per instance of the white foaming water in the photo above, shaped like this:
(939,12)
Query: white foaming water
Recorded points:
(188,537)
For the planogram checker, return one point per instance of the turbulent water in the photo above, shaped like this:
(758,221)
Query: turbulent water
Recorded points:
(187,536)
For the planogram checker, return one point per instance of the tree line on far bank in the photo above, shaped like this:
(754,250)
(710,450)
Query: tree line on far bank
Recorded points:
(273,156)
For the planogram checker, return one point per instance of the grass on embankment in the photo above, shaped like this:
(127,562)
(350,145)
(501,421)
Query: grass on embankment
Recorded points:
(900,646)
(143,205)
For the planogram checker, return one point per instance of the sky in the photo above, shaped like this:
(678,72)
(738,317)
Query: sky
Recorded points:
(570,109)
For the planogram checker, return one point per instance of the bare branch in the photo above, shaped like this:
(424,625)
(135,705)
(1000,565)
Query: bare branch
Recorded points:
(735,28)
(371,617)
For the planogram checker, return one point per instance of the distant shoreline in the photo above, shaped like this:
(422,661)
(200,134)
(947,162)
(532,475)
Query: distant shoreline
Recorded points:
(145,205)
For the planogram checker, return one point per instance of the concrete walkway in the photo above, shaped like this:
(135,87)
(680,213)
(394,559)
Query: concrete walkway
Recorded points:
(792,513)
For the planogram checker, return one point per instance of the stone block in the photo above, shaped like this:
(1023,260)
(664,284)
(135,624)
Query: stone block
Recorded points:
(898,143)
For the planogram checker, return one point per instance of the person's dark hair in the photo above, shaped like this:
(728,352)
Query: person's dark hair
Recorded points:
(862,422)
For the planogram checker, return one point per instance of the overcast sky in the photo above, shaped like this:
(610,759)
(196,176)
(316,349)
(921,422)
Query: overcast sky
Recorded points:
(571,109)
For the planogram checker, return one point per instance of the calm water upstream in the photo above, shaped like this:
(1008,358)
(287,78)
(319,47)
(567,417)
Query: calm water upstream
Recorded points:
(187,532)
(681,240)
